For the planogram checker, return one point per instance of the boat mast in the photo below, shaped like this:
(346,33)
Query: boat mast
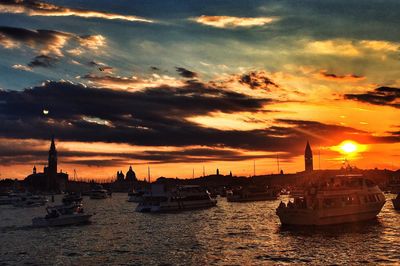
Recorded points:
(277,161)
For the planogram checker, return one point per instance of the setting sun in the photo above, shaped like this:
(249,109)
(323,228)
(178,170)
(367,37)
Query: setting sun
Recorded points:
(349,147)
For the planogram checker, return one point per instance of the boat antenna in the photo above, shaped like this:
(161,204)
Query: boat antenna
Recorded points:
(204,171)
(254,168)
(193,174)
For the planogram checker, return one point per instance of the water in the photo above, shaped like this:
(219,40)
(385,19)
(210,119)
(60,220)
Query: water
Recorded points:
(230,234)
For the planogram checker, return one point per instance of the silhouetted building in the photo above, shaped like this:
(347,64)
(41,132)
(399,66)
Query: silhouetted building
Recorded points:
(120,176)
(308,158)
(130,175)
(49,180)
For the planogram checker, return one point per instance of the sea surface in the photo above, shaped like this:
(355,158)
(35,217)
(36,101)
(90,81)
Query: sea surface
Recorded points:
(229,234)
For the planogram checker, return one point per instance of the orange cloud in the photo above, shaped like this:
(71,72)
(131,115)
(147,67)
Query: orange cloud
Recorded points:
(233,22)
(39,8)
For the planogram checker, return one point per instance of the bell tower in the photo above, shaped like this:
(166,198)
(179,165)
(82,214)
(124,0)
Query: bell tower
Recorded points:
(308,158)
(52,163)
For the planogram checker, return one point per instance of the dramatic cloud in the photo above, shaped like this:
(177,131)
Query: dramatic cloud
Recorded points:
(43,61)
(47,42)
(323,74)
(183,72)
(39,8)
(233,22)
(100,66)
(154,117)
(257,80)
(380,96)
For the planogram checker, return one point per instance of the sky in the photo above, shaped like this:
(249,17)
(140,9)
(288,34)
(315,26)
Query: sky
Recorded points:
(182,86)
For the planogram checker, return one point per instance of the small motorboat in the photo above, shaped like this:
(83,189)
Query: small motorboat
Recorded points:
(62,215)
(396,202)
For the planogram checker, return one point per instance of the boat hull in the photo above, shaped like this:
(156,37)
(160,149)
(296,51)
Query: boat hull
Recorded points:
(329,216)
(61,221)
(396,204)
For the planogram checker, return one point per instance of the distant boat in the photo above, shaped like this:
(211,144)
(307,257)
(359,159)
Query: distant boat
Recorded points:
(62,215)
(8,198)
(396,202)
(72,198)
(29,200)
(342,199)
(251,193)
(183,198)
(99,193)
(135,196)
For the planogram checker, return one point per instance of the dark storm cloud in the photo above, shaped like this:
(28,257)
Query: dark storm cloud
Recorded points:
(43,61)
(185,73)
(387,96)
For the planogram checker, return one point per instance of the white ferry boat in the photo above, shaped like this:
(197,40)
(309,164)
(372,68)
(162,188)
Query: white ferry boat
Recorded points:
(343,199)
(244,194)
(181,199)
(62,215)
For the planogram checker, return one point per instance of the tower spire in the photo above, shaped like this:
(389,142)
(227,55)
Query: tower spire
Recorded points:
(308,158)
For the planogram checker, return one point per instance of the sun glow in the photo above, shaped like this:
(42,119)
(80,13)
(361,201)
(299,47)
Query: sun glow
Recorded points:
(349,147)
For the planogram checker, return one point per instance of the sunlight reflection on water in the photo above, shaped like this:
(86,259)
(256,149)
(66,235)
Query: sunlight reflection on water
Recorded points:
(232,233)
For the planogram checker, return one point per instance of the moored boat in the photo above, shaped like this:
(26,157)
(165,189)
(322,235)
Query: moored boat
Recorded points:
(251,193)
(343,199)
(29,200)
(8,198)
(72,198)
(98,192)
(135,196)
(62,215)
(180,199)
